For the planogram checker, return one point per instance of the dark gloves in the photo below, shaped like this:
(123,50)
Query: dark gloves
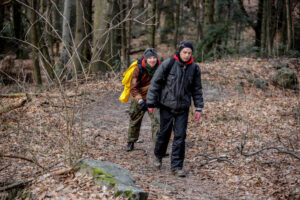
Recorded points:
(143,105)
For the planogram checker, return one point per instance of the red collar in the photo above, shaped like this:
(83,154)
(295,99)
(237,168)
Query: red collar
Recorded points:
(187,63)
(144,63)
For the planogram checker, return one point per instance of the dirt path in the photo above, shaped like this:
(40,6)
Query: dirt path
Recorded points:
(109,117)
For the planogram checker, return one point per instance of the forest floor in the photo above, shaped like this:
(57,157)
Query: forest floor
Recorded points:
(237,116)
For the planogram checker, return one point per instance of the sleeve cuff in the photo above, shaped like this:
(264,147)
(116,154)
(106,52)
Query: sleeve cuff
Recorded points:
(199,109)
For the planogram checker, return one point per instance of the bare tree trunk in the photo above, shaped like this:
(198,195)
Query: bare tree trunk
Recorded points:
(66,37)
(99,40)
(88,30)
(114,47)
(153,21)
(79,35)
(289,25)
(258,25)
(124,36)
(208,18)
(34,40)
(55,19)
(266,34)
(18,27)
(49,30)
(128,34)
(195,5)
(177,22)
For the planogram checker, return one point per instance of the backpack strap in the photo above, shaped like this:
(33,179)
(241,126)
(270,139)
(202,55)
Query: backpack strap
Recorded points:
(141,68)
(168,69)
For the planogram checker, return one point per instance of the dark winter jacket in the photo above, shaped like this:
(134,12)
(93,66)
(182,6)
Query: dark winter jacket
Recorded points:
(174,87)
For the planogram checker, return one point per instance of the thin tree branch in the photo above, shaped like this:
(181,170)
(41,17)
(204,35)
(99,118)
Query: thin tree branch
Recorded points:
(22,158)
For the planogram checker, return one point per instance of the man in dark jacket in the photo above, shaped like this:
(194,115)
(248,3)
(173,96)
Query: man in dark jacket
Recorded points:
(140,84)
(171,89)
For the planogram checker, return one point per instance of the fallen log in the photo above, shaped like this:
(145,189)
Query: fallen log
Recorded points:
(13,106)
(18,95)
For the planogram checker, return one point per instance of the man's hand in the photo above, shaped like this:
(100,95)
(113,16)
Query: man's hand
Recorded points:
(197,115)
(151,110)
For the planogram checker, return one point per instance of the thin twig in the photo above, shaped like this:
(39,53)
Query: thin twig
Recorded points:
(22,158)
(267,148)
(2,168)
(219,159)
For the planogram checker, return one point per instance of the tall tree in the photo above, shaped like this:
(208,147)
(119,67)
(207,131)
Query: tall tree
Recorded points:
(66,37)
(196,10)
(208,17)
(18,27)
(34,40)
(266,30)
(153,22)
(177,22)
(288,25)
(100,38)
(79,35)
(126,32)
(88,29)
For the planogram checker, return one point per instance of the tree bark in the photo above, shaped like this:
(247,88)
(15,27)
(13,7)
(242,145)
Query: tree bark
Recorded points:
(177,22)
(18,27)
(266,34)
(34,40)
(66,37)
(79,35)
(258,25)
(99,39)
(153,22)
(128,33)
(124,52)
(88,29)
(289,25)
(208,18)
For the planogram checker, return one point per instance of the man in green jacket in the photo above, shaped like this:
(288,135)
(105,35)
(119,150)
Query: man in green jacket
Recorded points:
(140,84)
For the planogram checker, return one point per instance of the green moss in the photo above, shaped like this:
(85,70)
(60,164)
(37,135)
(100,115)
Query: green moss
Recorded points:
(104,177)
(128,193)
(97,172)
(118,193)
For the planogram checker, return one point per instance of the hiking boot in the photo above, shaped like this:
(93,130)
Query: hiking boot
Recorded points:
(179,172)
(140,140)
(157,163)
(130,146)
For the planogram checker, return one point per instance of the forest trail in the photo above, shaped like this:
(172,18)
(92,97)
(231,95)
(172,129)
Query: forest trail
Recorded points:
(237,115)
(109,118)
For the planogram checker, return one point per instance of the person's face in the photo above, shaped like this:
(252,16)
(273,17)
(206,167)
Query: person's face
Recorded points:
(151,61)
(185,54)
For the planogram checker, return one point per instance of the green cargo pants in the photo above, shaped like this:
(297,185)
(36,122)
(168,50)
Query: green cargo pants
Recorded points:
(136,115)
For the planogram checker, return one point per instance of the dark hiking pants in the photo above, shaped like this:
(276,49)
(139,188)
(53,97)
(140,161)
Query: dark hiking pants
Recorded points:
(168,119)
(136,116)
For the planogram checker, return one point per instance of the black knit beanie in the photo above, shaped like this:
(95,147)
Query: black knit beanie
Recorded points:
(150,52)
(185,44)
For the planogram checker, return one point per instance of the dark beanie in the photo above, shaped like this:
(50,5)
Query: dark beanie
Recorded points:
(150,52)
(185,44)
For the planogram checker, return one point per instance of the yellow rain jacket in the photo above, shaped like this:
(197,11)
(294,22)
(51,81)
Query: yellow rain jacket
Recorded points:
(127,81)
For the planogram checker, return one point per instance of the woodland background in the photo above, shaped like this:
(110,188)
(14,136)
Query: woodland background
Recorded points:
(61,65)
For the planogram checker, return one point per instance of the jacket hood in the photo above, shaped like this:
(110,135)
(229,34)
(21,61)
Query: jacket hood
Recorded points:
(177,57)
